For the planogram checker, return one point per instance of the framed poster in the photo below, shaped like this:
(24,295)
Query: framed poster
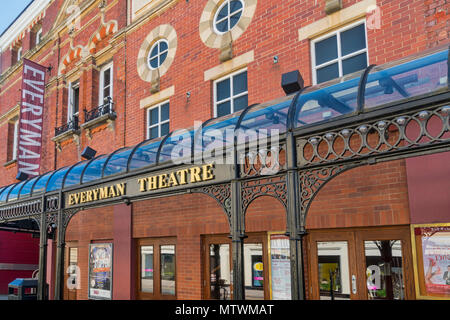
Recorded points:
(100,271)
(431,255)
(280,267)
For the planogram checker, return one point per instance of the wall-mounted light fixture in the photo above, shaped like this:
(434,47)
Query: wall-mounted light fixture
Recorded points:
(21,176)
(275,59)
(292,82)
(88,153)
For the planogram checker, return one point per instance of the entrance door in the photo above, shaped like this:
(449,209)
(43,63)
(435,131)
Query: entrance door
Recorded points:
(218,267)
(370,264)
(157,269)
(72,273)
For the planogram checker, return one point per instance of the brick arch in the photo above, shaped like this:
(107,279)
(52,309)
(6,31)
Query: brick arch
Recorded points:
(265,213)
(364,196)
(73,54)
(103,32)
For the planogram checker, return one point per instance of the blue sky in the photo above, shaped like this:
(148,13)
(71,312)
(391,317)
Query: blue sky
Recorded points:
(9,10)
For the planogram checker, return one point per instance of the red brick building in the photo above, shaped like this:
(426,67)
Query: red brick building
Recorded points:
(166,64)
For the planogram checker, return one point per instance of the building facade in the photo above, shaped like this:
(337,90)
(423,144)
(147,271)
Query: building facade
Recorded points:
(125,74)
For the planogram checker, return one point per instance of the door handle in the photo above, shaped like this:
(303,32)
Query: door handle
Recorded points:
(354,284)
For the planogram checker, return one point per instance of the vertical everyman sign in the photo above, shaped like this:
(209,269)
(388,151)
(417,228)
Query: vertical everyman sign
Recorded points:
(31,118)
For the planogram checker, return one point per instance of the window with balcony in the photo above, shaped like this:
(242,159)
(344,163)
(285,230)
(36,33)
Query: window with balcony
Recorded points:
(106,83)
(73,107)
(74,101)
(104,111)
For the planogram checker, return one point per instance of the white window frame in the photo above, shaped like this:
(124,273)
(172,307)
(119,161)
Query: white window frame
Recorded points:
(158,55)
(102,78)
(339,58)
(215,22)
(159,123)
(15,140)
(232,97)
(38,36)
(19,53)
(70,113)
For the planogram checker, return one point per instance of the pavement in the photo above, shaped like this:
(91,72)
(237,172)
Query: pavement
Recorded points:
(3,297)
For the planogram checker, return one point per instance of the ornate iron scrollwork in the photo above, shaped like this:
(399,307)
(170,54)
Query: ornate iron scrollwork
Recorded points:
(312,180)
(263,162)
(68,215)
(52,203)
(20,210)
(402,132)
(274,186)
(221,193)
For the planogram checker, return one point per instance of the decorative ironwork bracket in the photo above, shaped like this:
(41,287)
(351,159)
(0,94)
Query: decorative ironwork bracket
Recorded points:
(274,186)
(313,180)
(222,194)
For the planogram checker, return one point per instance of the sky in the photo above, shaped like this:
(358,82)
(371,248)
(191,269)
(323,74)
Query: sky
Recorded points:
(9,10)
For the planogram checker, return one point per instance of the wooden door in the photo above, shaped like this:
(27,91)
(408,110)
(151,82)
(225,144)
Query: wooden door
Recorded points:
(218,266)
(156,274)
(71,276)
(364,263)
(333,271)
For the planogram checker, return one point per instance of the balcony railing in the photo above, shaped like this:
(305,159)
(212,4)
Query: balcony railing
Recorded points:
(106,108)
(71,125)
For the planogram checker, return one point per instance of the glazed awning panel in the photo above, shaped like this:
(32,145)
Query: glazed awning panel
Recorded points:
(40,185)
(390,83)
(118,162)
(14,193)
(73,177)
(376,87)
(266,118)
(145,155)
(327,101)
(26,189)
(57,179)
(93,171)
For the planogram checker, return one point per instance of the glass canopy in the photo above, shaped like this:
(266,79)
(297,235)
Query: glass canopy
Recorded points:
(375,87)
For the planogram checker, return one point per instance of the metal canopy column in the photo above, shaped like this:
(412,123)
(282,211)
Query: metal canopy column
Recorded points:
(42,282)
(237,238)
(295,229)
(61,244)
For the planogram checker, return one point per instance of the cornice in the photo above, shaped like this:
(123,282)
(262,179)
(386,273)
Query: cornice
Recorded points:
(156,10)
(22,22)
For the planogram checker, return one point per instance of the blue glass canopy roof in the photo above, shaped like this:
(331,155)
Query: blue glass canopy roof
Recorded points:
(374,87)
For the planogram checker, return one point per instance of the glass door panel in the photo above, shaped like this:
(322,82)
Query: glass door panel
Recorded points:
(384,270)
(73,271)
(147,269)
(219,271)
(366,263)
(168,270)
(333,270)
(253,271)
(156,269)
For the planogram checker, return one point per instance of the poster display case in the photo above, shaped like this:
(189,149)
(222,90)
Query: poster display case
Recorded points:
(280,266)
(431,256)
(100,271)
